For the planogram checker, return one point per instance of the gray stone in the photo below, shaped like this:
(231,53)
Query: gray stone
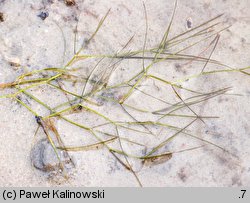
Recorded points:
(44,158)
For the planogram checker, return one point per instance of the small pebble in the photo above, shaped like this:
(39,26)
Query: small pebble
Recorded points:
(189,23)
(70,2)
(43,15)
(1,17)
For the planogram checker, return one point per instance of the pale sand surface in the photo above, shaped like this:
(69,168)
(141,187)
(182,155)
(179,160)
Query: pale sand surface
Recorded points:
(35,43)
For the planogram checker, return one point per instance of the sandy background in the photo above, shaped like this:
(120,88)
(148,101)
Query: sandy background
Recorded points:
(35,43)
